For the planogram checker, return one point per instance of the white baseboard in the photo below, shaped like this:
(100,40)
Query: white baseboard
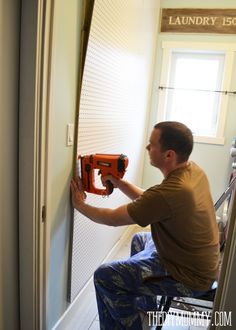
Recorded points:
(82,311)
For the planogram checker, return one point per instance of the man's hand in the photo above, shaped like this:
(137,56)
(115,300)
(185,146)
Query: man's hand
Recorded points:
(126,187)
(106,216)
(110,178)
(78,194)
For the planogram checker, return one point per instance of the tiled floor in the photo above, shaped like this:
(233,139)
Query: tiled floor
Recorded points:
(172,322)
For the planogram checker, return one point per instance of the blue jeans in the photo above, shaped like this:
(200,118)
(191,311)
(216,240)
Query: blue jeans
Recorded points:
(122,287)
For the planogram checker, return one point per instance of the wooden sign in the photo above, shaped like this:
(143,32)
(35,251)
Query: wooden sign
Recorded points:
(194,20)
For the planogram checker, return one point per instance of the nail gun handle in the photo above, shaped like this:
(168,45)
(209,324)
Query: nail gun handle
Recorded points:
(88,179)
(109,187)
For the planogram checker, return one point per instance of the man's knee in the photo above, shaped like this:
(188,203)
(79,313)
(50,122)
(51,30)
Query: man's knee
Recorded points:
(101,273)
(138,242)
(136,237)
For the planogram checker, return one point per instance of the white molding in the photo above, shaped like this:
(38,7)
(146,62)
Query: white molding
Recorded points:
(36,34)
(199,45)
(45,228)
(32,95)
(164,77)
(209,140)
(229,60)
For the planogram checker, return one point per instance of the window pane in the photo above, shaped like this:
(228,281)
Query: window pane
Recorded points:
(193,76)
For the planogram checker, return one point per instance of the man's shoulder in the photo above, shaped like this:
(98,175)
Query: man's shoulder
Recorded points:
(182,180)
(195,167)
(185,174)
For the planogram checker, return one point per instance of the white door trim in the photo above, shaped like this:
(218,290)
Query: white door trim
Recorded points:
(35,56)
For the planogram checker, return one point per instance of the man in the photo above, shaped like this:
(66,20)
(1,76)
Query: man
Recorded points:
(181,257)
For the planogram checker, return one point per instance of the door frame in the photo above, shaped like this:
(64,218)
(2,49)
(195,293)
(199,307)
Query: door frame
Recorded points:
(35,64)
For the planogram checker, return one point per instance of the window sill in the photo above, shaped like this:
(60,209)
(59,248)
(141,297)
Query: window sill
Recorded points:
(209,140)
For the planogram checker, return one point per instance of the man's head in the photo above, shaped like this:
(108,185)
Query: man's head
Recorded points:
(170,143)
(176,136)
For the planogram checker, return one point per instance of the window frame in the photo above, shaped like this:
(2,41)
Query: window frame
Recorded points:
(229,50)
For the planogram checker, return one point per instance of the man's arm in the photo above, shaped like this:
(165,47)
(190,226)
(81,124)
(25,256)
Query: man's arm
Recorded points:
(106,216)
(129,189)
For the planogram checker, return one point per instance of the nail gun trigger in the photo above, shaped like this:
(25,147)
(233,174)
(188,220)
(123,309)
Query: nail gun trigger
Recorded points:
(110,187)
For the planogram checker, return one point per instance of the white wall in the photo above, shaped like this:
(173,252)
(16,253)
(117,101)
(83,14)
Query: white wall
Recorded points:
(63,95)
(9,74)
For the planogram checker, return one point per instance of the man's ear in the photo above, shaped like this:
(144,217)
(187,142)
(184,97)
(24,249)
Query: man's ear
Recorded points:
(170,154)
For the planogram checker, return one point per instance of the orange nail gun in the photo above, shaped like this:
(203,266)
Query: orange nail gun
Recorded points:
(106,164)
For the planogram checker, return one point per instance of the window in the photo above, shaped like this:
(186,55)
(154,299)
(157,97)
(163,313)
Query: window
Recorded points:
(193,80)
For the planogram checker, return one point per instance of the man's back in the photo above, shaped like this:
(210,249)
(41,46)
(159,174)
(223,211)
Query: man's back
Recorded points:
(184,226)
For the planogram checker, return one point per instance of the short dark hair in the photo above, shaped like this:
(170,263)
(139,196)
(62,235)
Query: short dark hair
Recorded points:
(176,136)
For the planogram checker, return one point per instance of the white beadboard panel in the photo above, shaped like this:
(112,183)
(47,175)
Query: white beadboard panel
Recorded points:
(114,107)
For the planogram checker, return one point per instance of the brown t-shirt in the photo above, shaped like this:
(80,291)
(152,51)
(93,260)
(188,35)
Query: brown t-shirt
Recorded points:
(183,224)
